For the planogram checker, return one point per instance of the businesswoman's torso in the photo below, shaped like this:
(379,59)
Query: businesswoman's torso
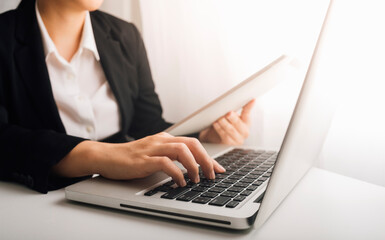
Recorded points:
(48,106)
(86,104)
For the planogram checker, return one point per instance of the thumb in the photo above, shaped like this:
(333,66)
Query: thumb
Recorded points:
(246,110)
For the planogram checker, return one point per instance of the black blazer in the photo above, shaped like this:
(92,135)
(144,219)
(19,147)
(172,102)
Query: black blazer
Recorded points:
(32,135)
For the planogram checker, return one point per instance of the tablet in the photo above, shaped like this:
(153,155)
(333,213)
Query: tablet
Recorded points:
(234,99)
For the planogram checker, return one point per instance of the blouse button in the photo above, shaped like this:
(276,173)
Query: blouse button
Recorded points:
(70,76)
(89,129)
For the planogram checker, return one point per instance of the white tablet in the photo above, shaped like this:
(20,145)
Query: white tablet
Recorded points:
(253,87)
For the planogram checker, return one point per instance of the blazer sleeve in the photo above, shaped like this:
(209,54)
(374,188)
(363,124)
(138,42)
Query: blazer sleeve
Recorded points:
(27,151)
(28,155)
(147,119)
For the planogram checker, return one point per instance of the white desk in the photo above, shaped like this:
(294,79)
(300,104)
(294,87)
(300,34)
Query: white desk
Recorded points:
(324,205)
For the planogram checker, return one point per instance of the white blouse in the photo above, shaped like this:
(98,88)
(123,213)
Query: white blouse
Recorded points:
(86,104)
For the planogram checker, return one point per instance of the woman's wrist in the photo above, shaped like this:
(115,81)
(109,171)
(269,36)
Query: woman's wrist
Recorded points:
(90,156)
(85,159)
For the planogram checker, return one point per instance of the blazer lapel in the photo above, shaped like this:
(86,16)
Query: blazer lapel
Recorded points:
(30,61)
(117,74)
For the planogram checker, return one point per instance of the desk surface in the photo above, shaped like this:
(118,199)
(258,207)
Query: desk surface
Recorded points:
(324,205)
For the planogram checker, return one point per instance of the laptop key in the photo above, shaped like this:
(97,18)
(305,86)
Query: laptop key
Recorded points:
(246,193)
(220,201)
(204,179)
(217,180)
(216,189)
(241,185)
(251,177)
(239,198)
(239,173)
(257,183)
(190,184)
(151,192)
(264,169)
(174,192)
(253,165)
(188,196)
(246,180)
(266,175)
(223,174)
(209,194)
(263,178)
(229,181)
(163,188)
(224,185)
(235,177)
(259,172)
(244,171)
(199,189)
(220,176)
(206,184)
(269,165)
(201,200)
(232,204)
(252,187)
(235,189)
(229,194)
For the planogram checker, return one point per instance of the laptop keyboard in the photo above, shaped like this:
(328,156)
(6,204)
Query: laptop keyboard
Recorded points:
(246,170)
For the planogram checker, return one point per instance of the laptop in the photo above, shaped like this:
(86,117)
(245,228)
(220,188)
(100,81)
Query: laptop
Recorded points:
(256,180)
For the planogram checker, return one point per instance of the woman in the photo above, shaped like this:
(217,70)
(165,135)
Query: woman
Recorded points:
(75,88)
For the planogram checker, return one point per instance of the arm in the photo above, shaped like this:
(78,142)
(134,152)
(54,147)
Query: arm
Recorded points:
(139,159)
(28,155)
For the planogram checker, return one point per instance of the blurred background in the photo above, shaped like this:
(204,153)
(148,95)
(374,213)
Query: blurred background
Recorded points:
(198,49)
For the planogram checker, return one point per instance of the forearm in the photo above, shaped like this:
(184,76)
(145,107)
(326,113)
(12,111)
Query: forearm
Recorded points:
(138,159)
(84,160)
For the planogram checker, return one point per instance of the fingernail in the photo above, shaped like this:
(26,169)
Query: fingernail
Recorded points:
(212,175)
(197,179)
(182,183)
(222,168)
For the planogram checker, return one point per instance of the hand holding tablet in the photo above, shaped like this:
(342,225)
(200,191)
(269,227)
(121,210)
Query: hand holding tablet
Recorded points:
(213,115)
(231,129)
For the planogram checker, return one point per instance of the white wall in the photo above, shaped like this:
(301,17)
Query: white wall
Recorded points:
(6,5)
(355,144)
(128,10)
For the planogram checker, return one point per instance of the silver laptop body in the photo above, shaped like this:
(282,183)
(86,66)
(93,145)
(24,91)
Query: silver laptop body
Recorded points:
(302,143)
